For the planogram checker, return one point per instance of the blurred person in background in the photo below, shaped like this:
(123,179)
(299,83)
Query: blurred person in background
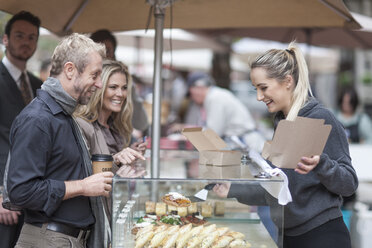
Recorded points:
(139,120)
(45,69)
(17,89)
(358,125)
(222,112)
(317,185)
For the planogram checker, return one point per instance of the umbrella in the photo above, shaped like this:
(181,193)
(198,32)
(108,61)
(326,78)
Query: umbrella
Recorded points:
(61,17)
(89,15)
(319,36)
(174,39)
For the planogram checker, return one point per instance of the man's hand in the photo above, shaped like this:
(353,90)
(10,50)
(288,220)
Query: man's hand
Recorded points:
(95,185)
(127,156)
(8,217)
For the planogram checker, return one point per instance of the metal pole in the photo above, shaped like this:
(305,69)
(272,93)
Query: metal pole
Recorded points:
(157,90)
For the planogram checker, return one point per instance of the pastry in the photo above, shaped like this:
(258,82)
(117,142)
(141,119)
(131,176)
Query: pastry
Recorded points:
(161,209)
(182,211)
(206,209)
(172,209)
(193,208)
(150,207)
(176,199)
(219,208)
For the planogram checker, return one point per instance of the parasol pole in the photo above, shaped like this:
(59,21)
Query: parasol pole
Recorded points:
(157,86)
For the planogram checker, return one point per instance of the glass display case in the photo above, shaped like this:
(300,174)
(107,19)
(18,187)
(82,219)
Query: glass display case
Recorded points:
(141,219)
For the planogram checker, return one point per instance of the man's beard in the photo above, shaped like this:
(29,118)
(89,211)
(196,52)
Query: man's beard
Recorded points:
(11,50)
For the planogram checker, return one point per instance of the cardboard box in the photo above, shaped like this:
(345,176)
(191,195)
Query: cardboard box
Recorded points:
(303,137)
(219,172)
(210,146)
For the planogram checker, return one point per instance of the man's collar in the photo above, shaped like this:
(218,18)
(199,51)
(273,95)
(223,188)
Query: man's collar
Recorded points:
(14,71)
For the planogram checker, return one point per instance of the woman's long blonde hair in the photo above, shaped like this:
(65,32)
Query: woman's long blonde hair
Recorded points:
(281,63)
(122,121)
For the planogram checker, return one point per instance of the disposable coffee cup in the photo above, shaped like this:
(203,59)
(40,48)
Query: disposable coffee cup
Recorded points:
(102,163)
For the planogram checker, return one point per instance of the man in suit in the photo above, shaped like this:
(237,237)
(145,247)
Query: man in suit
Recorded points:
(18,87)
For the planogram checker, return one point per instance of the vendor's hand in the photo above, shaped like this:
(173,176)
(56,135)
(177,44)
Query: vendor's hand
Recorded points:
(8,217)
(128,171)
(222,189)
(127,156)
(98,184)
(307,164)
(175,128)
(139,146)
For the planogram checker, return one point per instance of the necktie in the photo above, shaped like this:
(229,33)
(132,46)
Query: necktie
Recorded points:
(25,90)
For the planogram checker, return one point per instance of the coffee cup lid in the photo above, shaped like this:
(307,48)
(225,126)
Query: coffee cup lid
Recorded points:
(102,157)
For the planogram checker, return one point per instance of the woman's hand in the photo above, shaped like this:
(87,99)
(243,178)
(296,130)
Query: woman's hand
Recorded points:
(307,164)
(128,171)
(139,146)
(222,189)
(127,156)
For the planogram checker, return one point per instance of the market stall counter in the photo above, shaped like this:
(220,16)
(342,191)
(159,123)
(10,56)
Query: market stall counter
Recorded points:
(180,209)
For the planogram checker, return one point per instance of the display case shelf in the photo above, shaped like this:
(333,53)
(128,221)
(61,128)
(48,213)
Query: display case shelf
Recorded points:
(180,172)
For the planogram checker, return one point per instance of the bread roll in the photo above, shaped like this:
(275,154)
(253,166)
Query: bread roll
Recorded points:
(206,209)
(193,208)
(182,211)
(150,207)
(171,208)
(219,208)
(161,209)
